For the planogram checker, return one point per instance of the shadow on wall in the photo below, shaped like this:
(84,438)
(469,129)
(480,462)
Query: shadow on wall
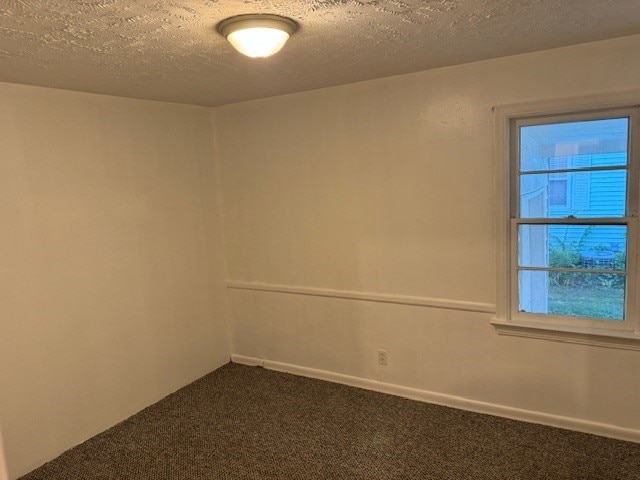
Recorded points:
(3,465)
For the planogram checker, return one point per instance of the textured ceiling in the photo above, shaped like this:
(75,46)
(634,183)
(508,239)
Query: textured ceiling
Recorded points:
(169,50)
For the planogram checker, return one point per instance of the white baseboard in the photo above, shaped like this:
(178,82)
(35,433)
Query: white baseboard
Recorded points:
(569,423)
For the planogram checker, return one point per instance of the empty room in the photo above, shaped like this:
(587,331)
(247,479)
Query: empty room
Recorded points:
(318,239)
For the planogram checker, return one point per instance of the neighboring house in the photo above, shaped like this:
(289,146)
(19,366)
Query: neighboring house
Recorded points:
(587,194)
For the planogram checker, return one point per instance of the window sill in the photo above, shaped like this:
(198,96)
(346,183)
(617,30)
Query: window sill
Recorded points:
(567,334)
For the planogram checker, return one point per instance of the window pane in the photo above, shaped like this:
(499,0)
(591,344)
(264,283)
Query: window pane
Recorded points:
(577,294)
(574,144)
(581,194)
(601,247)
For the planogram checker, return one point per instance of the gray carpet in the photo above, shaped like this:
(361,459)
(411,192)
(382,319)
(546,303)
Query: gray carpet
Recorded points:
(249,423)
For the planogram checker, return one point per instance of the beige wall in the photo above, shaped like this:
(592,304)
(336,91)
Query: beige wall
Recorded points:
(111,292)
(386,186)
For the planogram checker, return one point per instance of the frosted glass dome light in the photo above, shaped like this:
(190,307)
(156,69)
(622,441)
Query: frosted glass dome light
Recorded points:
(257,35)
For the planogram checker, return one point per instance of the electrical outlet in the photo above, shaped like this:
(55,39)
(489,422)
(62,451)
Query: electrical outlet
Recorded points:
(382,357)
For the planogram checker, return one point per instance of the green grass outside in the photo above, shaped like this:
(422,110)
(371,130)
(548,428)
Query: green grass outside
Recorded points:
(596,302)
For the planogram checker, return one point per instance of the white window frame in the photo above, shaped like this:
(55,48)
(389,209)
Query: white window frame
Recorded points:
(508,321)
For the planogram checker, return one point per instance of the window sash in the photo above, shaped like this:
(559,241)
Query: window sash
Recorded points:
(630,296)
(573,170)
(632,166)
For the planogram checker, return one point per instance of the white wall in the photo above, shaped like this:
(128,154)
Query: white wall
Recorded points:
(112,296)
(111,292)
(386,186)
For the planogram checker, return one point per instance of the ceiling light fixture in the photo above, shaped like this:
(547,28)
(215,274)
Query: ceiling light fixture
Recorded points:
(257,35)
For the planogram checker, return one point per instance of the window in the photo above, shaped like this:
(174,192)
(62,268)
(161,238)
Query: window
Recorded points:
(558,186)
(568,236)
(557,190)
